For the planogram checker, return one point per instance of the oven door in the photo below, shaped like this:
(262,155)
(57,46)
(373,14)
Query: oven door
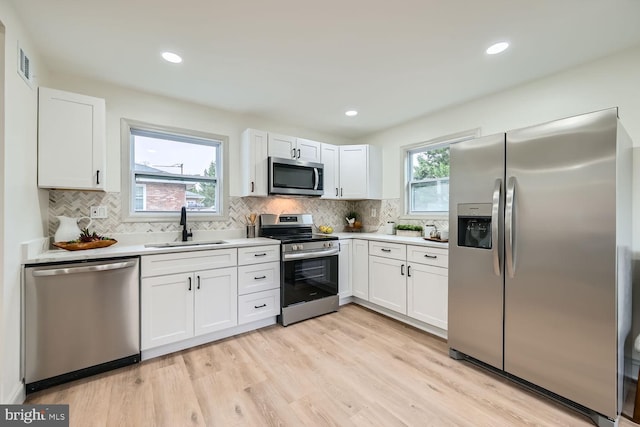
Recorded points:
(309,279)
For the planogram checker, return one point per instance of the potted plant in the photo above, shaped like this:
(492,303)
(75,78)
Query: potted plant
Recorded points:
(409,230)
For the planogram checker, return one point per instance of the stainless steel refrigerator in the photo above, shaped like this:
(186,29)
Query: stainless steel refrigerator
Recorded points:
(539,257)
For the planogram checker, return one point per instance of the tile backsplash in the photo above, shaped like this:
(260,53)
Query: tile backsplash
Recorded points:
(327,212)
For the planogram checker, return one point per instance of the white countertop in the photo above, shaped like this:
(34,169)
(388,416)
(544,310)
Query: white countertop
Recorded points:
(118,250)
(124,250)
(392,238)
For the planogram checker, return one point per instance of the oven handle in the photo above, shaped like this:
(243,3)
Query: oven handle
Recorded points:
(306,255)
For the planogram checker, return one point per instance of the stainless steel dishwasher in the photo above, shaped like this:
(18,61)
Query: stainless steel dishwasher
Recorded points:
(80,318)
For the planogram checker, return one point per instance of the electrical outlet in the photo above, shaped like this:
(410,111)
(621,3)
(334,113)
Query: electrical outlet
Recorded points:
(374,212)
(98,212)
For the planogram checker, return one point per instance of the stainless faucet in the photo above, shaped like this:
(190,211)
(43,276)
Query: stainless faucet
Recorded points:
(183,221)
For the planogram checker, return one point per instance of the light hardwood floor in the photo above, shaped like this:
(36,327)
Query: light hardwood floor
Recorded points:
(351,368)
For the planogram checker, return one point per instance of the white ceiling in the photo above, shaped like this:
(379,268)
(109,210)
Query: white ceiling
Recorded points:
(305,62)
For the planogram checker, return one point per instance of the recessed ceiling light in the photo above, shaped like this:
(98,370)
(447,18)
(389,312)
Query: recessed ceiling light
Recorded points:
(351,113)
(497,48)
(172,57)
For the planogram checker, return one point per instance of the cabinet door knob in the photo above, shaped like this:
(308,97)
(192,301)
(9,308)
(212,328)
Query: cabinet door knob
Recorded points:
(198,282)
(98,177)
(298,153)
(402,270)
(336,191)
(253,186)
(293,153)
(408,271)
(189,283)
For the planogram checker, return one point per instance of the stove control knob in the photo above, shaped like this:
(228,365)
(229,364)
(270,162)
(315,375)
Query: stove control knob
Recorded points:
(300,247)
(294,247)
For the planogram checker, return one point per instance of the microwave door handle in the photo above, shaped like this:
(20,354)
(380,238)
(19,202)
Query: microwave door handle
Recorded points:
(317,180)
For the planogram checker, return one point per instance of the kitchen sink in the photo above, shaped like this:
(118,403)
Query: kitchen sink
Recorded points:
(183,244)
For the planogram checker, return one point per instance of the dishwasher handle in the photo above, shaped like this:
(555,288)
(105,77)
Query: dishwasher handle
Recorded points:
(87,269)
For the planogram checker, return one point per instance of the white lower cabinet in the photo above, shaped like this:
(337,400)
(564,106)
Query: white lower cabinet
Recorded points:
(258,305)
(387,284)
(344,269)
(183,305)
(427,293)
(180,299)
(259,291)
(410,280)
(360,268)
(215,296)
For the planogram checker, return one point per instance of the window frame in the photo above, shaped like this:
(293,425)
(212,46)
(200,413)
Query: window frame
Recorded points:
(128,175)
(406,167)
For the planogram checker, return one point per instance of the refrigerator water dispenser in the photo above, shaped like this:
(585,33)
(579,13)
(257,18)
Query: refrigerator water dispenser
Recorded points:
(474,225)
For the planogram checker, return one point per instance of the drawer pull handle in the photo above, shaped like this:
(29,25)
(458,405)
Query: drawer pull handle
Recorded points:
(260,278)
(198,282)
(402,270)
(408,271)
(262,254)
(260,306)
(430,256)
(385,250)
(189,283)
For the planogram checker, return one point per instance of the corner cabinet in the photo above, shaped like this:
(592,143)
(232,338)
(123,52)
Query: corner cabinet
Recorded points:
(352,172)
(360,268)
(253,161)
(344,271)
(71,141)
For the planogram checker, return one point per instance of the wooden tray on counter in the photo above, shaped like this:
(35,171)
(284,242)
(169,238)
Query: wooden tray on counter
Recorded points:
(435,240)
(81,246)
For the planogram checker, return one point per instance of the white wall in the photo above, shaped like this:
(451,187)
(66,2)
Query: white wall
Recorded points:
(24,206)
(609,82)
(127,103)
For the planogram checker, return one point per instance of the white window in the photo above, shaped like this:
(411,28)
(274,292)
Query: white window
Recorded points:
(428,172)
(171,168)
(426,185)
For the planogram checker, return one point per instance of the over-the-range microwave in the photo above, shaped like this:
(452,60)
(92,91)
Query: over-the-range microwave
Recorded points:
(295,178)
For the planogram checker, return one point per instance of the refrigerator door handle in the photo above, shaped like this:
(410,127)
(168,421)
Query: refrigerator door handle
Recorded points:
(509,227)
(495,229)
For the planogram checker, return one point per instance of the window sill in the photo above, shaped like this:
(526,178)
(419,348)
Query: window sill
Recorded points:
(439,216)
(174,217)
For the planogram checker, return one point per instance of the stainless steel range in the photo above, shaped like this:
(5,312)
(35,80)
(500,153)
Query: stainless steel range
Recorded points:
(308,267)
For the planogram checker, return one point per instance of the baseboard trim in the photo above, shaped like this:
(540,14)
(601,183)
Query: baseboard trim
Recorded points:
(17,396)
(205,339)
(433,330)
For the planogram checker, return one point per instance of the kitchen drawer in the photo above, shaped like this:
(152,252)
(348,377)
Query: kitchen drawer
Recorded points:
(430,256)
(258,254)
(258,277)
(388,250)
(184,262)
(259,305)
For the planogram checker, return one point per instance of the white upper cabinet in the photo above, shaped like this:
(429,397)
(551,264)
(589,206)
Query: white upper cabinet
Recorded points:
(290,147)
(331,171)
(352,172)
(71,141)
(308,150)
(282,146)
(253,160)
